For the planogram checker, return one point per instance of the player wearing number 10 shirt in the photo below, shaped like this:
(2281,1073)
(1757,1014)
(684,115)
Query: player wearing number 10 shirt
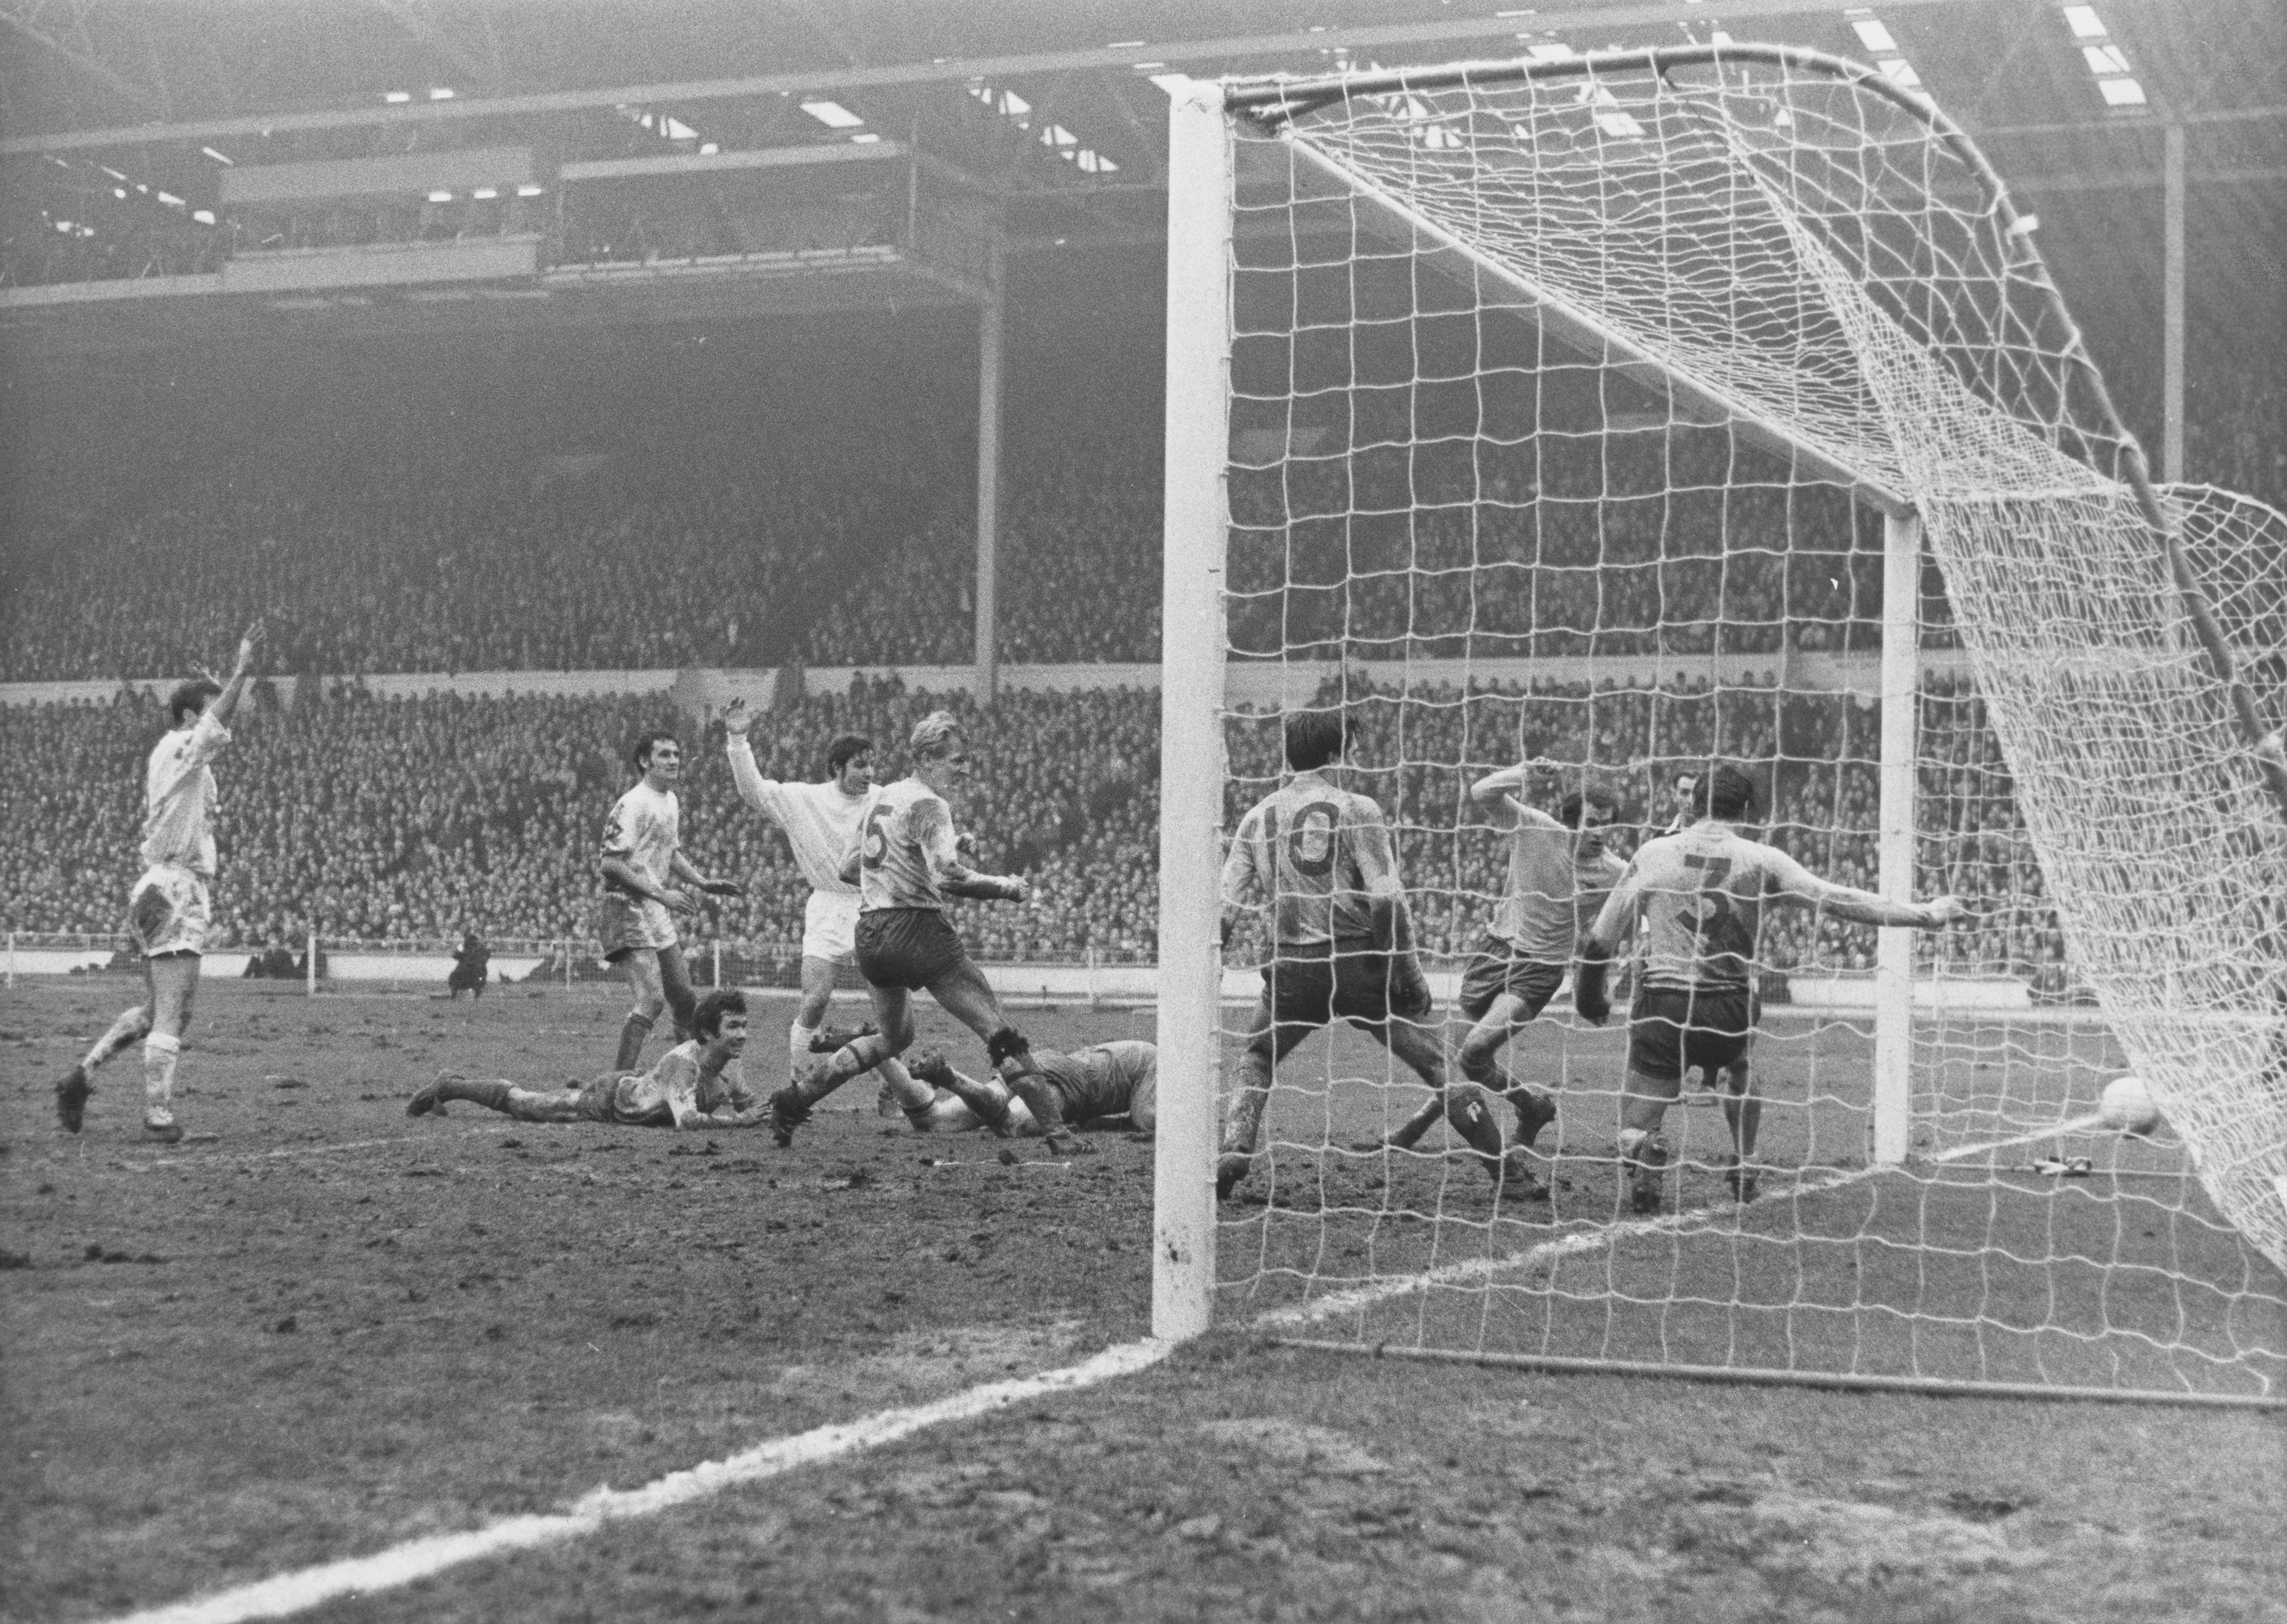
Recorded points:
(1343,943)
(1701,894)
(907,860)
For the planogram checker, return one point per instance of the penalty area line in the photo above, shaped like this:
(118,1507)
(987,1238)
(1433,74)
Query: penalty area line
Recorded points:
(417,1559)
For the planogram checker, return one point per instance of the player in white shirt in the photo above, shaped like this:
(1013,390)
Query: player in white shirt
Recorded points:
(697,1084)
(1321,859)
(640,862)
(1559,874)
(820,824)
(166,911)
(1700,894)
(908,859)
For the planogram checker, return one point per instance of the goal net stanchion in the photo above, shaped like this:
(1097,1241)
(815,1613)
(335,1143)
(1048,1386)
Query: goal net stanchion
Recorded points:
(1599,415)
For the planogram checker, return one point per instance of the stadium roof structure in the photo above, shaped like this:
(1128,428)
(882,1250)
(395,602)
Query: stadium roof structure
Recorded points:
(534,163)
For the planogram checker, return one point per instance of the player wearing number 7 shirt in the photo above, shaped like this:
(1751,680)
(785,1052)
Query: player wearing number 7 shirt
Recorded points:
(907,861)
(1321,857)
(1701,892)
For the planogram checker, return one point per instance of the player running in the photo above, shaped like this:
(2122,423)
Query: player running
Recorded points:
(639,861)
(908,859)
(1040,1092)
(1320,857)
(696,1084)
(168,909)
(1702,893)
(820,824)
(1559,874)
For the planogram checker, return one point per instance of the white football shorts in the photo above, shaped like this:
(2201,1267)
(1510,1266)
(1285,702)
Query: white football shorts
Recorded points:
(829,926)
(168,911)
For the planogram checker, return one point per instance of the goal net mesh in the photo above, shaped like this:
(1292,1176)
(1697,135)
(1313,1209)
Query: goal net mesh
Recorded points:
(1566,406)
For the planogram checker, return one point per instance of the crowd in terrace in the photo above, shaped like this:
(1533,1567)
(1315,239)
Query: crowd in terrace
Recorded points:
(423,819)
(854,553)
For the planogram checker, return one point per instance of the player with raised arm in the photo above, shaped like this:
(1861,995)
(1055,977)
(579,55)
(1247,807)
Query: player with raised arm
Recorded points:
(640,860)
(697,1084)
(1320,858)
(1701,893)
(820,824)
(908,859)
(1559,874)
(1042,1092)
(168,909)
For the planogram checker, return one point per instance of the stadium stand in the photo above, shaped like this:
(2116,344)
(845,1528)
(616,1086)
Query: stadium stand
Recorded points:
(422,819)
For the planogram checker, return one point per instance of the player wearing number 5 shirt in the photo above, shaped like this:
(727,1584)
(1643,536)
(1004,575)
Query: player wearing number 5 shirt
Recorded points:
(1701,894)
(1320,857)
(907,860)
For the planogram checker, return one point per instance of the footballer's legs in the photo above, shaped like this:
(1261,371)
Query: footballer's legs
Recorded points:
(641,967)
(810,1015)
(675,986)
(1269,1041)
(964,993)
(1743,1114)
(1644,1100)
(72,1090)
(588,1104)
(1479,1062)
(174,979)
(1468,1106)
(893,1020)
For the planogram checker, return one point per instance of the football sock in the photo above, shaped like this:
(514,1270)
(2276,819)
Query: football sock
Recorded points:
(909,1091)
(160,1053)
(632,1036)
(132,1026)
(798,1038)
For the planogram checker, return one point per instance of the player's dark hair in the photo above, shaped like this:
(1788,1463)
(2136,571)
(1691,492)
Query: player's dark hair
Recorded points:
(1573,809)
(1315,737)
(650,741)
(1004,1042)
(846,748)
(1725,792)
(188,696)
(707,1019)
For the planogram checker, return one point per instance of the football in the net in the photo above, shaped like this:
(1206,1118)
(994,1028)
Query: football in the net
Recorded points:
(2127,1105)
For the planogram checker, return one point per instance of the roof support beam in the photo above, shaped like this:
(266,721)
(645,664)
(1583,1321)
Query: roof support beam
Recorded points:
(1218,51)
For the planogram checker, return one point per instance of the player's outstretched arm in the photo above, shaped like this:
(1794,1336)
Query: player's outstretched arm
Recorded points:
(762,794)
(1047,1108)
(942,849)
(1800,888)
(239,672)
(1505,789)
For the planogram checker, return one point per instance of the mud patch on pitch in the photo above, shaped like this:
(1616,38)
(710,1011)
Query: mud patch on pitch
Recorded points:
(1844,1542)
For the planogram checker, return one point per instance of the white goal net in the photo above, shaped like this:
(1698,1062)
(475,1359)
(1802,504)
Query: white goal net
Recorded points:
(1606,419)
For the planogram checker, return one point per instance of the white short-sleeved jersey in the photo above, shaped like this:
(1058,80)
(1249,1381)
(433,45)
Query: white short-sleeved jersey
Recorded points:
(178,797)
(820,822)
(1311,850)
(905,840)
(676,1093)
(1701,895)
(643,830)
(1552,894)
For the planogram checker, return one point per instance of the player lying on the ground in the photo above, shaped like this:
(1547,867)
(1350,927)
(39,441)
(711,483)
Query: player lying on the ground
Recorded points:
(168,909)
(1322,857)
(907,860)
(640,860)
(1701,894)
(1042,1092)
(820,822)
(1559,874)
(696,1084)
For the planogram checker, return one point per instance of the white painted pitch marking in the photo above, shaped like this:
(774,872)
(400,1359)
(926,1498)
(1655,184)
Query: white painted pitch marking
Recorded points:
(1589,1239)
(417,1559)
(327,1149)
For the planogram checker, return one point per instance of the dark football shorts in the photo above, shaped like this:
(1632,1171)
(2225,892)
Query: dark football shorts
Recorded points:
(907,946)
(1495,968)
(1671,1031)
(1313,984)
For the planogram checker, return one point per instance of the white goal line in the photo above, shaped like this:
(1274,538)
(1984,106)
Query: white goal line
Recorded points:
(417,1559)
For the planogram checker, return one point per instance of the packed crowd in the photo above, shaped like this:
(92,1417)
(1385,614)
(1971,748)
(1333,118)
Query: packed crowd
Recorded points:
(426,819)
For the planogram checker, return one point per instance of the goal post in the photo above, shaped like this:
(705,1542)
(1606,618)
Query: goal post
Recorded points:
(1592,422)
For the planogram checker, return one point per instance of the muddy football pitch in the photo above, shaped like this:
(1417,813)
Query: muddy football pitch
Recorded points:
(330,1332)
